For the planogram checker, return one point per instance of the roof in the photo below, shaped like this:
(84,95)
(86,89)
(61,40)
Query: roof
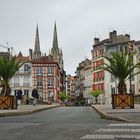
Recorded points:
(20,57)
(102,42)
(44,60)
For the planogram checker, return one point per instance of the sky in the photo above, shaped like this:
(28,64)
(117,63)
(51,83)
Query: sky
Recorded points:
(78,22)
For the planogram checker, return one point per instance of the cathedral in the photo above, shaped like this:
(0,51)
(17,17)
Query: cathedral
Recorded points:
(55,54)
(46,72)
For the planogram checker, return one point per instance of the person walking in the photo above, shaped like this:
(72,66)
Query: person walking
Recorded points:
(35,96)
(19,96)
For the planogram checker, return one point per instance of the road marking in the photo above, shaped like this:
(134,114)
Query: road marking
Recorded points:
(125,124)
(118,130)
(109,137)
(102,134)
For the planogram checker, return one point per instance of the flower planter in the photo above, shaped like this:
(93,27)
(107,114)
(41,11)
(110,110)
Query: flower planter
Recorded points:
(8,102)
(122,101)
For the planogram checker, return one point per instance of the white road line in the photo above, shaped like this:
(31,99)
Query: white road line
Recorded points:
(125,124)
(108,137)
(118,130)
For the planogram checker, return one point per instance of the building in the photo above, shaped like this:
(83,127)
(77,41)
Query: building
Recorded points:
(88,80)
(23,78)
(53,62)
(103,80)
(36,53)
(41,71)
(80,80)
(71,85)
(137,78)
(83,80)
(56,53)
(46,77)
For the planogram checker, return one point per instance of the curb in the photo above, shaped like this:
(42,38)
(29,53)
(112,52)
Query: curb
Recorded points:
(26,112)
(106,116)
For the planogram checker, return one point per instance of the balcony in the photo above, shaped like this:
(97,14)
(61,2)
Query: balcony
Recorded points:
(39,74)
(23,72)
(50,86)
(26,84)
(16,84)
(50,74)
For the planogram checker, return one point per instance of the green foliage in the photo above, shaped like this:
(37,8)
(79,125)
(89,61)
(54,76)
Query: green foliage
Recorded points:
(63,96)
(7,69)
(120,65)
(95,93)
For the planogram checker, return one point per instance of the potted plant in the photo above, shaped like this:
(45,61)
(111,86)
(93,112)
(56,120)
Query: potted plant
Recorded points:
(120,65)
(95,93)
(8,68)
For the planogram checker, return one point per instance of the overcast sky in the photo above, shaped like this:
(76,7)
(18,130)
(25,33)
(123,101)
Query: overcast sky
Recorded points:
(78,22)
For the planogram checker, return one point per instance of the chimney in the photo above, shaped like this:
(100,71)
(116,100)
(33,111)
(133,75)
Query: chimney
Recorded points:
(127,37)
(30,54)
(96,41)
(113,36)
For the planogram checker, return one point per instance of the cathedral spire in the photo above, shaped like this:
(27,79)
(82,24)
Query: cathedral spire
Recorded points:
(37,52)
(56,53)
(55,40)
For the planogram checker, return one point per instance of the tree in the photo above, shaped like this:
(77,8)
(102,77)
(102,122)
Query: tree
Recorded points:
(7,69)
(95,93)
(121,66)
(63,96)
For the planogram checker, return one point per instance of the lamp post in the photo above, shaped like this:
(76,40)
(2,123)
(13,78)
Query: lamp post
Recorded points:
(130,49)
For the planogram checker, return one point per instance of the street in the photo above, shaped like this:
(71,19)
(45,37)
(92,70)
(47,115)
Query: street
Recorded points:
(64,123)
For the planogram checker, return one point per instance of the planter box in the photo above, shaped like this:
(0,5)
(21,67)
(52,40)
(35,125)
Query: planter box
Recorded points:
(122,101)
(8,102)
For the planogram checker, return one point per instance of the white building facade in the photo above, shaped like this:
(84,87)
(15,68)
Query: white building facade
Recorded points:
(23,80)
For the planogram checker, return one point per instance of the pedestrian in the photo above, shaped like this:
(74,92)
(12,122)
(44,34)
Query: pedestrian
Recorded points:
(19,96)
(35,96)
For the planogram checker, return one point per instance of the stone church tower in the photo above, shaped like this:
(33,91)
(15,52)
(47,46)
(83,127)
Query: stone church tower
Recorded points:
(37,52)
(55,51)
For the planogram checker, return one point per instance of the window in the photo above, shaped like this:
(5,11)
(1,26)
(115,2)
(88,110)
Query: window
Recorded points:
(139,50)
(126,48)
(16,80)
(50,82)
(112,79)
(39,71)
(39,82)
(26,68)
(121,48)
(112,90)
(133,88)
(50,70)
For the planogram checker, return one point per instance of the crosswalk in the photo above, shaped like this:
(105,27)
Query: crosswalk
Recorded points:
(121,131)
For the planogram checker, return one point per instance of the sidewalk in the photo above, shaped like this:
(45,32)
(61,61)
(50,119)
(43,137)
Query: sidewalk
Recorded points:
(26,109)
(127,115)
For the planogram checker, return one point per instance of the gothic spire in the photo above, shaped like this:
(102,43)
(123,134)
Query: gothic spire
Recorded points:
(56,53)
(37,52)
(55,40)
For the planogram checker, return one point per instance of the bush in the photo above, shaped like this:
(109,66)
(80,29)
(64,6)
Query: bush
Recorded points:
(63,96)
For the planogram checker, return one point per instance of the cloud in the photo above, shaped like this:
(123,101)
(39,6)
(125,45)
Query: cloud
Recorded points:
(78,22)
